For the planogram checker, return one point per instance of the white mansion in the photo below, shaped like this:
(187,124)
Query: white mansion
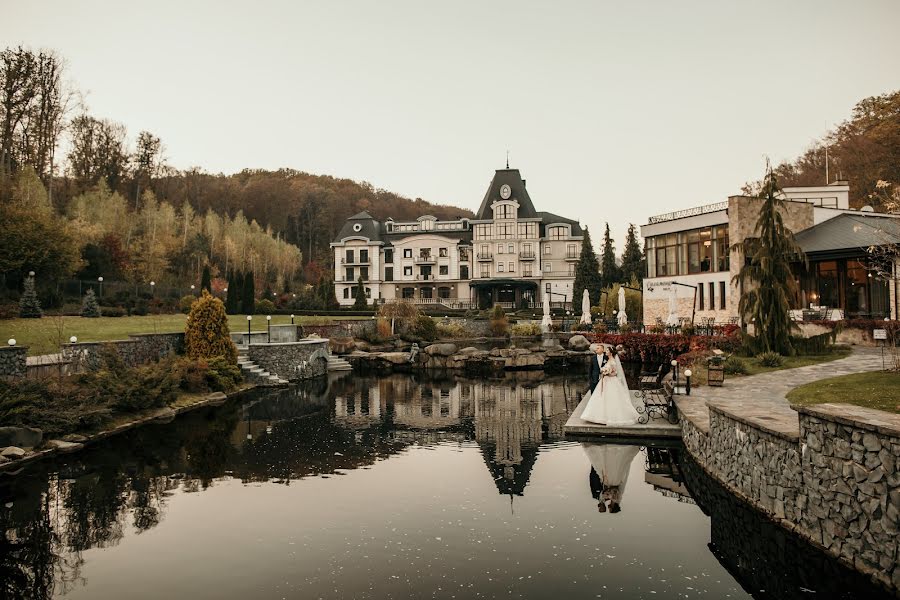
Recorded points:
(508,254)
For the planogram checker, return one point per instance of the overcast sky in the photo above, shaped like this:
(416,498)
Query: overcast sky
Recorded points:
(613,111)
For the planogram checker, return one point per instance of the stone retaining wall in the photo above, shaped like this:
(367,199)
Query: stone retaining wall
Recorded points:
(292,360)
(834,482)
(138,350)
(12,361)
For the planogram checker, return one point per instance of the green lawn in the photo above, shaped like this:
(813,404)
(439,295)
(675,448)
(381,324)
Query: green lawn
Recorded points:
(879,390)
(43,336)
(788,362)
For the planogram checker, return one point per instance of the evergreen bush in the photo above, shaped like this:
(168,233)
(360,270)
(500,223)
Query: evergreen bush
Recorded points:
(499,324)
(89,305)
(248,294)
(206,280)
(735,366)
(29,305)
(360,302)
(265,307)
(207,334)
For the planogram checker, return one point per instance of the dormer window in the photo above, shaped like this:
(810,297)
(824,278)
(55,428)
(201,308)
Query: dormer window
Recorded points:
(558,232)
(504,210)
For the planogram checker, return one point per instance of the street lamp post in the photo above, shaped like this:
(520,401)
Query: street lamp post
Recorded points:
(249,335)
(152,289)
(100,279)
(687,381)
(268,329)
(674,364)
(193,287)
(292,319)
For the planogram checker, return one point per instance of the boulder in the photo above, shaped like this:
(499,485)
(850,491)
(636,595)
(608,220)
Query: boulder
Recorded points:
(362,346)
(445,349)
(213,399)
(163,415)
(579,343)
(3,460)
(529,360)
(341,345)
(395,358)
(468,350)
(22,437)
(63,446)
(74,437)
(12,452)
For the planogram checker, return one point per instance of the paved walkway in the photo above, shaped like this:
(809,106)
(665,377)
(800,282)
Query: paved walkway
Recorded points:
(761,399)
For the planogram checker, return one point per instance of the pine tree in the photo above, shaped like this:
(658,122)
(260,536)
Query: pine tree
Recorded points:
(206,280)
(360,295)
(632,258)
(230,292)
(206,334)
(609,270)
(29,305)
(89,305)
(248,295)
(766,278)
(587,273)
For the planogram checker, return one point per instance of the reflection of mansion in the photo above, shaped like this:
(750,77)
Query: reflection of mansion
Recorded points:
(690,251)
(509,254)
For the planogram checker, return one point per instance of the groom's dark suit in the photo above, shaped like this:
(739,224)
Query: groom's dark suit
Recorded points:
(597,362)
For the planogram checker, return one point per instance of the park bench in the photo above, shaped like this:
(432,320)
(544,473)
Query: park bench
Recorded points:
(655,393)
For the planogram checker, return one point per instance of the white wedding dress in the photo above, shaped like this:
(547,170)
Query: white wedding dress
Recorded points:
(610,402)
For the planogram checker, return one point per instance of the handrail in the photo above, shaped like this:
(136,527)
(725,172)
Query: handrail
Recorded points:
(688,212)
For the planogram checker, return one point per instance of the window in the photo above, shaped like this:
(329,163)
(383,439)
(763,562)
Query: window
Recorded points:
(425,292)
(722,295)
(407,271)
(702,250)
(350,256)
(348,274)
(505,230)
(511,248)
(547,249)
(571,252)
(443,270)
(557,232)
(407,253)
(500,267)
(700,288)
(443,292)
(464,254)
(548,291)
(368,292)
(388,257)
(409,293)
(364,273)
(527,252)
(712,295)
(548,267)
(528,230)
(526,269)
(346,293)
(464,272)
(512,267)
(389,273)
(500,248)
(442,252)
(485,270)
(484,232)
(571,269)
(504,211)
(363,256)
(425,253)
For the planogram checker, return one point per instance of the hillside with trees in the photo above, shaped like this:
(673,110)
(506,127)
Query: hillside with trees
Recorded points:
(864,150)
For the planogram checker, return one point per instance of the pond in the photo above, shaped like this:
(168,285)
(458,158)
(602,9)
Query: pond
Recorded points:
(392,487)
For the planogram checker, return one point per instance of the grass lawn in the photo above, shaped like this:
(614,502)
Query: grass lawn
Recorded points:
(880,390)
(43,336)
(788,362)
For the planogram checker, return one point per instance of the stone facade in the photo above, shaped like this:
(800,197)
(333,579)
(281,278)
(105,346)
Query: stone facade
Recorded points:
(834,482)
(292,360)
(12,361)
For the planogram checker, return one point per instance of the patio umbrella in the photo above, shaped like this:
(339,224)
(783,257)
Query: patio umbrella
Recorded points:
(547,321)
(622,316)
(672,319)
(585,308)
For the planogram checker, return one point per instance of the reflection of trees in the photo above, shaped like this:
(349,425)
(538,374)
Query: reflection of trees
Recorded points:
(27,557)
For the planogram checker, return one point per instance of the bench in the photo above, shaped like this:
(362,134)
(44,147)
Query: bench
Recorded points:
(656,394)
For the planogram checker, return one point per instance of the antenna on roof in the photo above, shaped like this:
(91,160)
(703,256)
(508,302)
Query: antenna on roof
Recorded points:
(507,159)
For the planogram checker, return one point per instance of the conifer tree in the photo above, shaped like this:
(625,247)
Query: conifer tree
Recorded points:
(766,278)
(361,302)
(89,305)
(29,305)
(587,273)
(230,295)
(248,294)
(206,334)
(609,270)
(206,280)
(632,258)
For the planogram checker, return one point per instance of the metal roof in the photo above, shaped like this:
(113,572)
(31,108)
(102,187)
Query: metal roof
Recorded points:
(850,232)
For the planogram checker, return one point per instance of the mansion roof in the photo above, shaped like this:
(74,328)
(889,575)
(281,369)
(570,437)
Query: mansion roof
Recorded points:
(850,232)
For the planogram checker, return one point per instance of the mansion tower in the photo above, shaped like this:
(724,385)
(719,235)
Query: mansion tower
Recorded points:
(508,254)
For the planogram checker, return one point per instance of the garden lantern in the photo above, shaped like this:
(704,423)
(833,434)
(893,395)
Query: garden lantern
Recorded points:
(674,364)
(687,381)
(11,341)
(73,339)
(249,318)
(100,280)
(292,319)
(153,288)
(268,329)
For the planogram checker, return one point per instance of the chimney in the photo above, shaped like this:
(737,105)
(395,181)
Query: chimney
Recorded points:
(523,183)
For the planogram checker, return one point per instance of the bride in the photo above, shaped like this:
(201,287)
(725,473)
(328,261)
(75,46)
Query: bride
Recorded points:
(609,403)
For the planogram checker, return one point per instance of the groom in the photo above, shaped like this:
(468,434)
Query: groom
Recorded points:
(597,362)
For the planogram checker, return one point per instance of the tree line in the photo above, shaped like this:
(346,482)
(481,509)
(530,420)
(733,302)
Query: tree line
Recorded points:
(595,275)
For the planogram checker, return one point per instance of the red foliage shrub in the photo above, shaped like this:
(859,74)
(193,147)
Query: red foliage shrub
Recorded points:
(658,348)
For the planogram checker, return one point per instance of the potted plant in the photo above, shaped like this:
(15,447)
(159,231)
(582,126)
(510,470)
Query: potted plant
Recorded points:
(716,368)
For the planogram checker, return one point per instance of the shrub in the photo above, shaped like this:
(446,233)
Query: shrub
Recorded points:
(89,306)
(115,311)
(451,331)
(207,334)
(600,328)
(426,328)
(582,327)
(499,325)
(770,359)
(29,305)
(222,375)
(688,330)
(184,305)
(370,332)
(525,329)
(265,307)
(383,327)
(735,366)
(141,308)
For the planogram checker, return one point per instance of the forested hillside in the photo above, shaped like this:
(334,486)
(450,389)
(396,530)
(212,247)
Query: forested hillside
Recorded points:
(864,150)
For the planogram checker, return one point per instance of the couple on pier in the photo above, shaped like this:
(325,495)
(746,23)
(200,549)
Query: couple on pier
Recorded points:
(608,401)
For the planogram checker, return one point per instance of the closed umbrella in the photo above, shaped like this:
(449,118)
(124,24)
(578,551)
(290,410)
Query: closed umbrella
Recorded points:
(672,319)
(622,316)
(585,308)
(547,321)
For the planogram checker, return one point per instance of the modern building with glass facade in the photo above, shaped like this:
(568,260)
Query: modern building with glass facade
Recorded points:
(693,253)
(508,254)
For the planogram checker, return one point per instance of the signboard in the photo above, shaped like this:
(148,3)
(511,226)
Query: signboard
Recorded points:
(879,334)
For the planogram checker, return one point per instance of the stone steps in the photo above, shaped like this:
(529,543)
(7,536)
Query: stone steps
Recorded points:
(256,374)
(336,363)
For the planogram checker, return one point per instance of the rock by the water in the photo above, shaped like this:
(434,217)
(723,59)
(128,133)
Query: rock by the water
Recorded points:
(362,346)
(341,345)
(469,350)
(22,437)
(3,460)
(216,398)
(12,452)
(579,343)
(164,415)
(64,447)
(74,437)
(445,349)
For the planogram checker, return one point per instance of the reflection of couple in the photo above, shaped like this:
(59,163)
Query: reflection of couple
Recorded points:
(610,464)
(608,400)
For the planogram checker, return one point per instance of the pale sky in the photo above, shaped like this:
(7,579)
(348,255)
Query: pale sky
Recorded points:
(613,111)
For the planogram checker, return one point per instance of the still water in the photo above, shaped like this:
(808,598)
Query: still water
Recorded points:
(393,487)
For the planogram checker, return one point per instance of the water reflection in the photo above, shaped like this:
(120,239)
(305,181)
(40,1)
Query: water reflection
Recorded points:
(382,487)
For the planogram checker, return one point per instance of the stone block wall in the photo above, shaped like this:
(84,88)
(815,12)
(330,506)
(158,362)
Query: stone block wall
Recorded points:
(292,360)
(12,361)
(135,351)
(834,483)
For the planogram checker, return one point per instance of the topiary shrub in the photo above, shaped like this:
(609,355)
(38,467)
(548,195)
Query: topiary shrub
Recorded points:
(29,305)
(499,325)
(265,307)
(207,334)
(735,366)
(89,306)
(770,359)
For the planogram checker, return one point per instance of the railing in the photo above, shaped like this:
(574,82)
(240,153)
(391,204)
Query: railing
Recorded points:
(689,212)
(359,261)
(425,260)
(527,255)
(571,256)
(485,256)
(424,277)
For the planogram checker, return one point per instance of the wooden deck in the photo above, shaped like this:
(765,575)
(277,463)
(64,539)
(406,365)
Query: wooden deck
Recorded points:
(657,428)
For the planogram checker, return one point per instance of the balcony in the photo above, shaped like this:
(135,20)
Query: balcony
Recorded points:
(485,257)
(358,261)
(571,256)
(527,255)
(426,259)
